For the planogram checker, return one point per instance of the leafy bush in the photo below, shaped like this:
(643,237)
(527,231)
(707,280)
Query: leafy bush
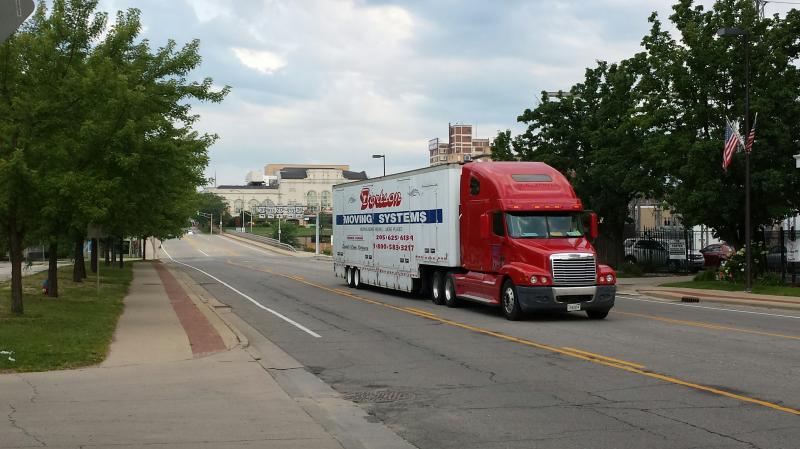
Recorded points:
(288,233)
(771,279)
(733,269)
(706,275)
(630,270)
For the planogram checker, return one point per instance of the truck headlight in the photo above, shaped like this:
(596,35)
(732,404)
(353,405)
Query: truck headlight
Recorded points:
(609,278)
(534,279)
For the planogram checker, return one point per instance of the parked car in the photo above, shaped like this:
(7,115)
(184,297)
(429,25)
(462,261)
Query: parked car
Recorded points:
(696,260)
(716,253)
(646,251)
(775,258)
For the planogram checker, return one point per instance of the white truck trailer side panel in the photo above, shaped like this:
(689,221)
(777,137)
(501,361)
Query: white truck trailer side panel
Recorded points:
(387,227)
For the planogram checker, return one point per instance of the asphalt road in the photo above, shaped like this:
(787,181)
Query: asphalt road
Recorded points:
(654,374)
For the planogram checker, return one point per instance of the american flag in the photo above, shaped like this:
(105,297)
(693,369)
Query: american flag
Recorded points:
(752,136)
(731,143)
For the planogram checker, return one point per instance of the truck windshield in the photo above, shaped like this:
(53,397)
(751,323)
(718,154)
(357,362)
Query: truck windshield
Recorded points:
(529,225)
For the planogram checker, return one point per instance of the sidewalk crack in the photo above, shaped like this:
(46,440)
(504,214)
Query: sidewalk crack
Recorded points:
(16,425)
(33,388)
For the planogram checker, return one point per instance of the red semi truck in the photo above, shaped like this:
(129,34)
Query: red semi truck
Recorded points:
(511,234)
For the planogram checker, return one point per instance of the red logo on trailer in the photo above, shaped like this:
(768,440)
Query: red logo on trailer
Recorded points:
(379,200)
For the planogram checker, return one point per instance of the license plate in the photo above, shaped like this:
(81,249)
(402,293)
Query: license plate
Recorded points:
(573,307)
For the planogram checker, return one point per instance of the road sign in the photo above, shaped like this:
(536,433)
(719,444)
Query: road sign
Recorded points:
(12,14)
(290,211)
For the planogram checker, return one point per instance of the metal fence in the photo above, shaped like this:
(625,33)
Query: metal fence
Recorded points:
(682,251)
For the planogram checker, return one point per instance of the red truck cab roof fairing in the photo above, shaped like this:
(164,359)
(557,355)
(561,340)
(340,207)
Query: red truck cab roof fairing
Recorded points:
(520,186)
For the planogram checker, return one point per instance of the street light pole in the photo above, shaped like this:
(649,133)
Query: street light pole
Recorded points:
(735,32)
(381,156)
(748,250)
(319,209)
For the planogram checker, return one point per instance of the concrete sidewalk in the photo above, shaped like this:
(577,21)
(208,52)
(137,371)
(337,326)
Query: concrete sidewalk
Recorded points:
(179,375)
(35,267)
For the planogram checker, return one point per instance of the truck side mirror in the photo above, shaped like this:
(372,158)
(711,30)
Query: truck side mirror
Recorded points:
(484,226)
(593,232)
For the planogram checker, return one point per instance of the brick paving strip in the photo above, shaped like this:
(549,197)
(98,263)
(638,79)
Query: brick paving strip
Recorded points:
(203,338)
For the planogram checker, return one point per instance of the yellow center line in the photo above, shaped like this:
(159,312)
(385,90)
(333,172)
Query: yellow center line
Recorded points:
(582,355)
(707,325)
(422,312)
(603,357)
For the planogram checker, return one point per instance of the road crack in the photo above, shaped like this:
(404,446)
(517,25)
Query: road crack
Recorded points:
(695,426)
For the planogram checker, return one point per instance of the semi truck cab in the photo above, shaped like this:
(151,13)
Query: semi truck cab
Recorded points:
(525,242)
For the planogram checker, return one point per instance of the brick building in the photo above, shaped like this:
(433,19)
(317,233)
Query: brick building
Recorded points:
(460,142)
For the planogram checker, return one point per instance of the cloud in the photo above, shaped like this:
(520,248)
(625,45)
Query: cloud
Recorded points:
(335,81)
(260,60)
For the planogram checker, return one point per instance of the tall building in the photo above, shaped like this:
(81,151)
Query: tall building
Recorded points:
(459,143)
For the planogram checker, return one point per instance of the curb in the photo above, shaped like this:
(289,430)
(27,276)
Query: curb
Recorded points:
(208,304)
(676,296)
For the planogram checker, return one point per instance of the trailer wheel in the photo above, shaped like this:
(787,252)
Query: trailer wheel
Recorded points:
(450,297)
(437,288)
(509,302)
(348,276)
(356,278)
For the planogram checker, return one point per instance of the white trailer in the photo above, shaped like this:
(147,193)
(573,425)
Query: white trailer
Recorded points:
(387,230)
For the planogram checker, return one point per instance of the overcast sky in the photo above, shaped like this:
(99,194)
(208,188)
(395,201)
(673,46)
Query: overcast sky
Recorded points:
(329,81)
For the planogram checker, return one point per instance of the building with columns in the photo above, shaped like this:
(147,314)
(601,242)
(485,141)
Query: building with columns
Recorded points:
(287,184)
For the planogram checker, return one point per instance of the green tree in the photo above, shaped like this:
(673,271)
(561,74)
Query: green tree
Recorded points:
(288,232)
(211,203)
(692,82)
(96,132)
(504,147)
(591,136)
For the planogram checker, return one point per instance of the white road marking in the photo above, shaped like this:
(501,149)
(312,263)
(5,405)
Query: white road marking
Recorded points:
(206,254)
(258,304)
(709,308)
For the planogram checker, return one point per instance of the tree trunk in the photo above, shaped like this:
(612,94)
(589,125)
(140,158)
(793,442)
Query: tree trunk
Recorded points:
(52,270)
(113,244)
(15,249)
(144,248)
(95,257)
(107,251)
(79,268)
(121,252)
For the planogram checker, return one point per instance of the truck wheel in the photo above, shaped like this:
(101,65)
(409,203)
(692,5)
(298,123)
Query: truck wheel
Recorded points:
(509,302)
(437,288)
(597,314)
(348,276)
(450,298)
(356,278)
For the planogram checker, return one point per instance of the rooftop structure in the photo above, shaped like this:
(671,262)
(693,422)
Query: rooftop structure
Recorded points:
(460,142)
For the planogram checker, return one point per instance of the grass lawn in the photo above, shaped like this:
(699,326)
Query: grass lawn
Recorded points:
(70,331)
(738,287)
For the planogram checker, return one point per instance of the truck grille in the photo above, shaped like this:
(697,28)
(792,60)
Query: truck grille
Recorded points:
(573,269)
